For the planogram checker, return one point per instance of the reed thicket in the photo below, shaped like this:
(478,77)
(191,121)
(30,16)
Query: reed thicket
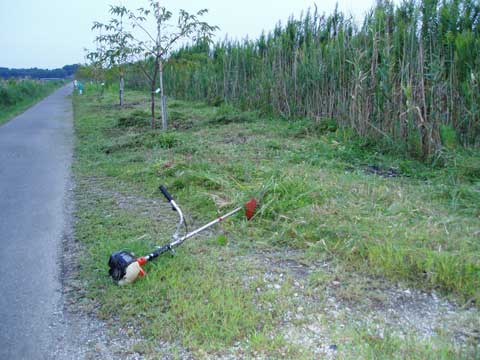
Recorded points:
(408,75)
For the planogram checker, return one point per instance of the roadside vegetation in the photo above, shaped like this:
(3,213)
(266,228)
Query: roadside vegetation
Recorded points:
(339,221)
(360,143)
(18,95)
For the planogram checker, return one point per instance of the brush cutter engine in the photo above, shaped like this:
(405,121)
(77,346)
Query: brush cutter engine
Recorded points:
(125,268)
(118,264)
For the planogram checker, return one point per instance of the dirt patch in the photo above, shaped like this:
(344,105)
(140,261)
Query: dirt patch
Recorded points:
(327,296)
(383,172)
(236,140)
(149,140)
(377,170)
(137,118)
(225,118)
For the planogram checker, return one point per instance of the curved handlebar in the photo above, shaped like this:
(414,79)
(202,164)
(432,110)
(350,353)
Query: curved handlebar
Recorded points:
(166,193)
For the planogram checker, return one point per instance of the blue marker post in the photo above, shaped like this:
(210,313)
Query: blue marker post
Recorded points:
(80,88)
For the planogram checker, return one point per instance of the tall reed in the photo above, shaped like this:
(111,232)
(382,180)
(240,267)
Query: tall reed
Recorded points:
(408,74)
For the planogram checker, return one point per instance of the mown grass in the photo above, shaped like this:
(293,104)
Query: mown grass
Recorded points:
(316,194)
(18,97)
(184,294)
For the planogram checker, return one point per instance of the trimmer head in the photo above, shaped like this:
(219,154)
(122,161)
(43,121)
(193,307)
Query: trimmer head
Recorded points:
(250,208)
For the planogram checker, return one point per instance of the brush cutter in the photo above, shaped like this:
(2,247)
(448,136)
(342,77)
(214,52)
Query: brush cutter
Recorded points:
(125,268)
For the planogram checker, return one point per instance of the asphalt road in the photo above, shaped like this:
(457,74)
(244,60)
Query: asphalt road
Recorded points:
(35,158)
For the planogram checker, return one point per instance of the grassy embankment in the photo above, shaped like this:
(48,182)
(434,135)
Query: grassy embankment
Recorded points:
(320,197)
(18,96)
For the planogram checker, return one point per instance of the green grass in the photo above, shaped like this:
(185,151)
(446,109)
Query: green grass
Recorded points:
(421,227)
(181,294)
(19,105)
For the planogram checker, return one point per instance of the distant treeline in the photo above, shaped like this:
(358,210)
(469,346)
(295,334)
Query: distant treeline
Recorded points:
(409,75)
(35,73)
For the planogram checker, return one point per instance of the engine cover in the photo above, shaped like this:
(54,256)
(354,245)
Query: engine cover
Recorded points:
(118,264)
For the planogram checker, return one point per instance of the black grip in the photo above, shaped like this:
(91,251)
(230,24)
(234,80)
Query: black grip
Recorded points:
(166,193)
(159,251)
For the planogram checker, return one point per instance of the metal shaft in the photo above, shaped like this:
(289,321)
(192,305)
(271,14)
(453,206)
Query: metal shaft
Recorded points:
(176,242)
(204,227)
(181,220)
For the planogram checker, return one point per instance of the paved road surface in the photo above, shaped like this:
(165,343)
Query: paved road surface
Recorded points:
(35,158)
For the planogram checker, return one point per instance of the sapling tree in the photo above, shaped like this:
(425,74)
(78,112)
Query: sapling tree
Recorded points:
(160,41)
(114,47)
(95,69)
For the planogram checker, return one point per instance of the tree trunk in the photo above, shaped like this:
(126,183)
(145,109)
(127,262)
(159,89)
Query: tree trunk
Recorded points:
(152,103)
(162,98)
(159,67)
(121,91)
(152,94)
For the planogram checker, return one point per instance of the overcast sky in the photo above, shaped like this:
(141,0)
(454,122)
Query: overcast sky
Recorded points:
(52,33)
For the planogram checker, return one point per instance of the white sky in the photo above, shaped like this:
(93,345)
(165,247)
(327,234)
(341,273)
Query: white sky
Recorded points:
(52,33)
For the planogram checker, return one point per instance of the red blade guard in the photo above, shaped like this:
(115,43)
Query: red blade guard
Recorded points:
(250,207)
